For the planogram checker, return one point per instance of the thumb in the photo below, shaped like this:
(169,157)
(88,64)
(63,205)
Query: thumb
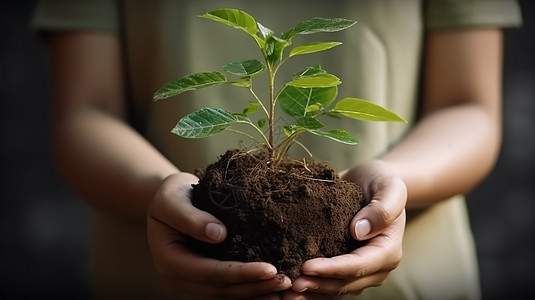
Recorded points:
(388,200)
(172,207)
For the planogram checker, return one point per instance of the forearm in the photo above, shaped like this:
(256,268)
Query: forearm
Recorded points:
(447,153)
(455,143)
(108,163)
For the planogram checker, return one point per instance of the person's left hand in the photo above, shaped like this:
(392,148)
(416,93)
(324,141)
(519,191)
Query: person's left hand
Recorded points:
(381,222)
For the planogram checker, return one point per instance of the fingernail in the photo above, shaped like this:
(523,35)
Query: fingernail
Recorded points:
(213,231)
(283,282)
(362,228)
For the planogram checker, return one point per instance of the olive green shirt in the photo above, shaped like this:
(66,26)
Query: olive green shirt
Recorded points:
(379,61)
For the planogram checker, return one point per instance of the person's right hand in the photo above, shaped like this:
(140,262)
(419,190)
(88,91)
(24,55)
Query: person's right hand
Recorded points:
(171,217)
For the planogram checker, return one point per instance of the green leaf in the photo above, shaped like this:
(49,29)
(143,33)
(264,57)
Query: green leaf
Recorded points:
(244,68)
(204,123)
(287,130)
(243,83)
(261,123)
(274,48)
(333,115)
(310,71)
(318,80)
(309,123)
(188,83)
(295,100)
(338,135)
(253,106)
(233,17)
(237,19)
(313,109)
(365,110)
(314,76)
(264,30)
(312,48)
(241,117)
(318,24)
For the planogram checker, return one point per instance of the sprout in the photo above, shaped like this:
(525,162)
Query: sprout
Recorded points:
(306,97)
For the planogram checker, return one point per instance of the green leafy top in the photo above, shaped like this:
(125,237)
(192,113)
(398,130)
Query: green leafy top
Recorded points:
(306,97)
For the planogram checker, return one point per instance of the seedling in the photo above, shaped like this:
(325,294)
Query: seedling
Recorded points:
(306,97)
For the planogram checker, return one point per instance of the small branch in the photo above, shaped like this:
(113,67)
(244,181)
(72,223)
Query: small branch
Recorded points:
(244,134)
(304,147)
(259,102)
(279,65)
(283,146)
(266,141)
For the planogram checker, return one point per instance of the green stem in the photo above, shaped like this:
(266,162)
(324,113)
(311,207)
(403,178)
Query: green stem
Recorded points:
(274,74)
(271,113)
(270,147)
(244,134)
(283,146)
(279,65)
(258,100)
(272,105)
(304,148)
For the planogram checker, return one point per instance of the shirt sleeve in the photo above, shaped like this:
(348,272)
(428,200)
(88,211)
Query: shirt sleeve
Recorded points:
(69,15)
(444,14)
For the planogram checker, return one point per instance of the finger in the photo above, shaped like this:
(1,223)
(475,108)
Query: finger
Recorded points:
(291,295)
(388,199)
(175,261)
(317,287)
(264,289)
(172,206)
(381,253)
(274,296)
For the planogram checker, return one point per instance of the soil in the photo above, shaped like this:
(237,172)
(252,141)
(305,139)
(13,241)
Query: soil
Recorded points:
(284,214)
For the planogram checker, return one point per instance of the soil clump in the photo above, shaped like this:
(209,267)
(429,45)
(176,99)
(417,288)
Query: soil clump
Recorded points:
(283,214)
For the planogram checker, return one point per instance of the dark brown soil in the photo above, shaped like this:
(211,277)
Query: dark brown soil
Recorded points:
(283,215)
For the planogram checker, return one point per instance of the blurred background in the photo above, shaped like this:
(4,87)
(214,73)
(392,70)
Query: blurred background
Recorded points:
(45,229)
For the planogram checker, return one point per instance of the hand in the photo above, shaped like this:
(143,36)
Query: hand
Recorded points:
(171,216)
(381,222)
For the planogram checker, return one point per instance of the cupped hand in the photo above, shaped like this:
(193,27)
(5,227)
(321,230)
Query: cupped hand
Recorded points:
(171,217)
(381,222)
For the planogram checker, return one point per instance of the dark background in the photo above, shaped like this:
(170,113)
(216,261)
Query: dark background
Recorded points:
(45,229)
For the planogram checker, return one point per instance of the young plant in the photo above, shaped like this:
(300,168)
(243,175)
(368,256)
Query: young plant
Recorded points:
(305,97)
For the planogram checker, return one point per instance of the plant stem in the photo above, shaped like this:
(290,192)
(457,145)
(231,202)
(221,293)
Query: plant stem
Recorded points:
(259,101)
(269,145)
(272,105)
(304,148)
(271,113)
(279,65)
(281,149)
(244,134)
